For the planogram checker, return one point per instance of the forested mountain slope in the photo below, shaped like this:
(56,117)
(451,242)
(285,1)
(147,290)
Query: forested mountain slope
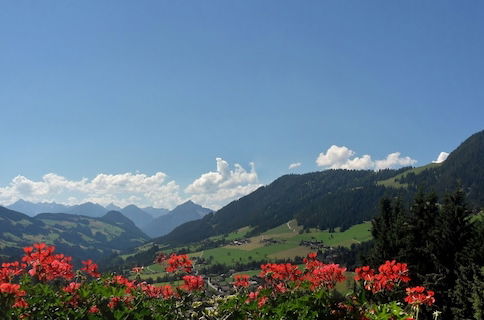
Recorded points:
(339,198)
(293,196)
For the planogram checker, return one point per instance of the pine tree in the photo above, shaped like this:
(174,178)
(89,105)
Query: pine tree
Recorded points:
(421,236)
(388,230)
(442,247)
(454,258)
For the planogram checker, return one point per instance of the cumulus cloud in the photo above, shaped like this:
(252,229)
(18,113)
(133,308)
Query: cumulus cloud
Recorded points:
(393,160)
(441,158)
(121,189)
(337,157)
(295,165)
(211,189)
(215,188)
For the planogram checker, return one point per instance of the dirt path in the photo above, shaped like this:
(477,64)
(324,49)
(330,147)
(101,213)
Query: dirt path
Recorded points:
(290,228)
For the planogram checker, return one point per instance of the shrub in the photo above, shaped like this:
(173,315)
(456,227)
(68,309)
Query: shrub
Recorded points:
(45,285)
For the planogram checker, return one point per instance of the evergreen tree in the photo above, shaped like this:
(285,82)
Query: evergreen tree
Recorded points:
(420,236)
(454,258)
(388,230)
(442,247)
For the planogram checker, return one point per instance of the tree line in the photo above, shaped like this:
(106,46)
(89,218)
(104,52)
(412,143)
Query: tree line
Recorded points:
(442,242)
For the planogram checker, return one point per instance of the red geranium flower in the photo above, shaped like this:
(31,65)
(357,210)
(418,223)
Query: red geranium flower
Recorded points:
(90,268)
(179,262)
(241,280)
(45,265)
(192,283)
(418,296)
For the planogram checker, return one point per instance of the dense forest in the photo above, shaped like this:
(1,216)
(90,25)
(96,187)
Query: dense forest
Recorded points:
(463,169)
(314,199)
(442,243)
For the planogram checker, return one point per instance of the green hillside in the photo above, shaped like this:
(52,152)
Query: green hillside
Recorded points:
(282,242)
(323,200)
(464,168)
(395,182)
(338,198)
(79,236)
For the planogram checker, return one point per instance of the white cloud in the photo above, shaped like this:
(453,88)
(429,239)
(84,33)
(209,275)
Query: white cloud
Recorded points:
(121,189)
(358,163)
(393,160)
(295,165)
(441,158)
(211,189)
(344,158)
(335,157)
(216,188)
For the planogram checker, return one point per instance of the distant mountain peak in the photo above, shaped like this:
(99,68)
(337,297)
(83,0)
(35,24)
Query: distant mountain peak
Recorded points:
(131,206)
(19,201)
(112,207)
(32,209)
(114,215)
(187,211)
(88,209)
(155,212)
(90,203)
(189,204)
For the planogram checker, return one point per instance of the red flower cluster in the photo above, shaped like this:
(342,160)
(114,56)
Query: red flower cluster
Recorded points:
(311,262)
(129,285)
(152,291)
(179,262)
(262,301)
(390,275)
(90,268)
(325,275)
(418,296)
(40,262)
(254,296)
(320,274)
(94,309)
(316,273)
(45,265)
(282,272)
(192,283)
(10,270)
(278,276)
(241,280)
(113,302)
(14,290)
(72,287)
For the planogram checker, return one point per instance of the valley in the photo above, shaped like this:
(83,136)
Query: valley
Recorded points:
(346,218)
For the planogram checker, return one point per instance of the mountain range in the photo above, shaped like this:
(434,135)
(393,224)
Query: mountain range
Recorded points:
(327,199)
(339,198)
(185,212)
(87,231)
(79,236)
(154,222)
(88,208)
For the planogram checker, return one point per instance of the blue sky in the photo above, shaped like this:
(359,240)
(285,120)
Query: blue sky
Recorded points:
(130,89)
